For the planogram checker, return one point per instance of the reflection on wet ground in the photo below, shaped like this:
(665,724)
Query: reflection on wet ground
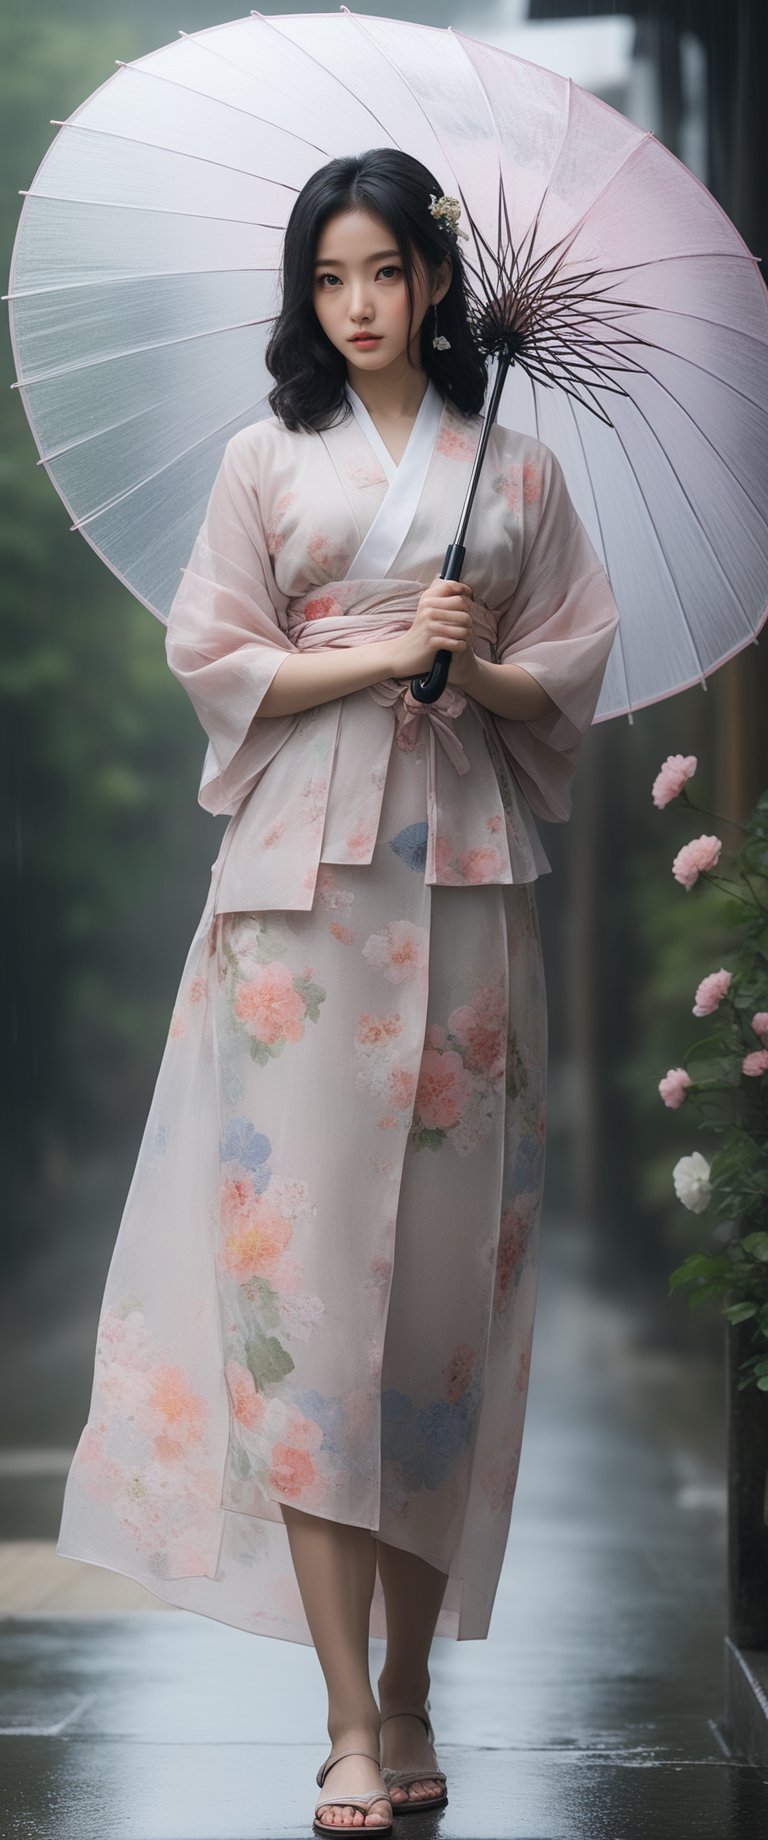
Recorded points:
(591,1713)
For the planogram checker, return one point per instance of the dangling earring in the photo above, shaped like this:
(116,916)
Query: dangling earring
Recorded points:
(439,340)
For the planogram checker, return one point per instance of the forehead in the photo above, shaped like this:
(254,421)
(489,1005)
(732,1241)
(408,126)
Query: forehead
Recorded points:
(354,233)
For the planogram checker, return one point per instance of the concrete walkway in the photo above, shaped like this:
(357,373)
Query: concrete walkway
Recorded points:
(591,1713)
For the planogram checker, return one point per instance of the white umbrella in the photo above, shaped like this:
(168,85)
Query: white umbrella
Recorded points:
(144,280)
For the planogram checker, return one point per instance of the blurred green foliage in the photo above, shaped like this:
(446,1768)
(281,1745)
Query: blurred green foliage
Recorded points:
(105,855)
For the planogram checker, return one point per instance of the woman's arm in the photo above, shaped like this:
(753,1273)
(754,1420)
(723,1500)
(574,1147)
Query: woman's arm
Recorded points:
(302,680)
(506,689)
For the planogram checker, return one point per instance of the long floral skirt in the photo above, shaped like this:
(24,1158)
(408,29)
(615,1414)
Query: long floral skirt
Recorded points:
(323,1286)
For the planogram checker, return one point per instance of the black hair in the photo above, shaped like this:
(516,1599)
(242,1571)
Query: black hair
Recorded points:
(311,374)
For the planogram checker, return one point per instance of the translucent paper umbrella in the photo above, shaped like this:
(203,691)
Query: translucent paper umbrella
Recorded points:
(144,282)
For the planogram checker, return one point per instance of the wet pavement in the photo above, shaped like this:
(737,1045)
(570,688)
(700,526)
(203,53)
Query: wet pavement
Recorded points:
(591,1713)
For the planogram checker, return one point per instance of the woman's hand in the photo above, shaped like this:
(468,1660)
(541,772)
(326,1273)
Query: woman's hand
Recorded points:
(442,622)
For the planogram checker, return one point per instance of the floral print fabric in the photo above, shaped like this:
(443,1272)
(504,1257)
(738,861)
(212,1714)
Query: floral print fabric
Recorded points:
(322,1291)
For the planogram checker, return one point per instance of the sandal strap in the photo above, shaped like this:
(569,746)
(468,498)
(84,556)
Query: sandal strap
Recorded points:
(399,1779)
(331,1760)
(416,1712)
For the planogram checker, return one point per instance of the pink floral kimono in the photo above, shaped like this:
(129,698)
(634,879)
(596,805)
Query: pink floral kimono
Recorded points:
(323,1286)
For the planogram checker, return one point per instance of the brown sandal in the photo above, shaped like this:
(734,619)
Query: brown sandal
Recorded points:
(363,1801)
(399,1779)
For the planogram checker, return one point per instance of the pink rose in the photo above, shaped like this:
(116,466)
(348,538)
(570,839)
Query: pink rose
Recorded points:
(674,775)
(695,858)
(760,1023)
(755,1064)
(674,1086)
(711,991)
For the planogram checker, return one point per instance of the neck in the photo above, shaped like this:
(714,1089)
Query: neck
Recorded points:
(390,398)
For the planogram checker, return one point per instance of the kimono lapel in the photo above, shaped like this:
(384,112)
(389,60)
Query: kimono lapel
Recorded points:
(387,533)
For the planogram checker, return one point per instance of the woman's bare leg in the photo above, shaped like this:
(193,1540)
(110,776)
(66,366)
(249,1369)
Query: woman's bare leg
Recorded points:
(413,1593)
(335,1568)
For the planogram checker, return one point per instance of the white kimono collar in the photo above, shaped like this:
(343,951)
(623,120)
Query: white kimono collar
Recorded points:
(386,535)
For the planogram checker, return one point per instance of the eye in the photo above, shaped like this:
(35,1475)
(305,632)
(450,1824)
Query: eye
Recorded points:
(328,277)
(390,268)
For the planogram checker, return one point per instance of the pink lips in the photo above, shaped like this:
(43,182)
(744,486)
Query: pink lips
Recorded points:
(366,338)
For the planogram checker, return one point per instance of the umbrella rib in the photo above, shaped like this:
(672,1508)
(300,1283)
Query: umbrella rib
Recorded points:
(717,451)
(604,546)
(157,210)
(354,17)
(465,38)
(175,153)
(265,21)
(657,438)
(150,274)
(120,497)
(234,108)
(132,351)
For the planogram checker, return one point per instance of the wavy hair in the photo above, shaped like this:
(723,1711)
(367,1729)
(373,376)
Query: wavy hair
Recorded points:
(310,373)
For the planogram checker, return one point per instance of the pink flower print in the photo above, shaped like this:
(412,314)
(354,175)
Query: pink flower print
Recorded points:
(258,1233)
(710,992)
(273,835)
(533,481)
(400,952)
(493,823)
(182,1412)
(275,536)
(322,607)
(760,1024)
(481,1037)
(269,1005)
(509,485)
(402,1087)
(443,1089)
(177,1026)
(291,1471)
(455,444)
(378,1029)
(343,933)
(446,867)
(695,859)
(360,842)
(457,1372)
(756,1063)
(672,776)
(515,1227)
(674,1087)
(365,472)
(247,1406)
(332,558)
(435,1036)
(483,864)
(197,990)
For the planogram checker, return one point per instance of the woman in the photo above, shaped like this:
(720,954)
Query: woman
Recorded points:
(314,1345)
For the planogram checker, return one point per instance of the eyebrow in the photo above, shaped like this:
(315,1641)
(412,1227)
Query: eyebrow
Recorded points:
(328,261)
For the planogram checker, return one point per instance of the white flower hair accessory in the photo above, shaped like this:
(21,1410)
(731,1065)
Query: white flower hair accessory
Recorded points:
(447,210)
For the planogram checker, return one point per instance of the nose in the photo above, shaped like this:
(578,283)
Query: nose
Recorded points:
(359,304)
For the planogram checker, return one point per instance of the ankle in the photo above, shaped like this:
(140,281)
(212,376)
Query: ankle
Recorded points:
(358,1733)
(403,1690)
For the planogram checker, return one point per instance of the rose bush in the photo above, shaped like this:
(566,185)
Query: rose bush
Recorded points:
(723,1079)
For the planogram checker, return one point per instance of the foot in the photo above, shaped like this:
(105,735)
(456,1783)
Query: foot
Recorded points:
(358,1775)
(405,1746)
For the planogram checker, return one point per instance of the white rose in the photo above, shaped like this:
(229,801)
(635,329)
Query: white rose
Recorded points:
(691,1179)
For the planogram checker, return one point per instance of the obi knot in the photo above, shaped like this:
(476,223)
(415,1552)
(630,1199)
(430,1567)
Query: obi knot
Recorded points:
(409,713)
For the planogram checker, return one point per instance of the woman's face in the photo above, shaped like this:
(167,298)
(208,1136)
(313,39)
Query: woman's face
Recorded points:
(359,286)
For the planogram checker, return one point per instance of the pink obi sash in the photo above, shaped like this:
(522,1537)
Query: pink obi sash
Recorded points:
(385,623)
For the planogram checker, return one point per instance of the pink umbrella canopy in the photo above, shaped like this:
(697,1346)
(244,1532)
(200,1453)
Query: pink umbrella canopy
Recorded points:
(145,279)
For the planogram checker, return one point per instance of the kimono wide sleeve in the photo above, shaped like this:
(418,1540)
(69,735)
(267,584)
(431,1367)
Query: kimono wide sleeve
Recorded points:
(558,625)
(224,639)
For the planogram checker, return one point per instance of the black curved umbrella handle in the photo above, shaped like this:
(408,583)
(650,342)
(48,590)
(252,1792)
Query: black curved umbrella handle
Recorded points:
(427,689)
